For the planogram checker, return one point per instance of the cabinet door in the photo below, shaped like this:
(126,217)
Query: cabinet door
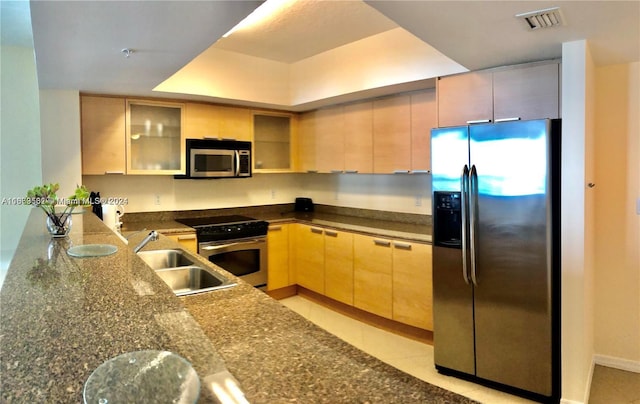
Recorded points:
(329,142)
(155,143)
(278,257)
(358,137)
(465,98)
(526,93)
(187,240)
(392,135)
(338,265)
(272,142)
(307,142)
(310,257)
(412,284)
(235,123)
(372,275)
(423,119)
(103,135)
(201,121)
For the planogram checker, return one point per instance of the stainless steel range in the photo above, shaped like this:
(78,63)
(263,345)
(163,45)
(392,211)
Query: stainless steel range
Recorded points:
(238,244)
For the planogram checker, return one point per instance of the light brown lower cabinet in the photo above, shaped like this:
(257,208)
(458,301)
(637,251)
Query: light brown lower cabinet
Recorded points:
(373,275)
(187,240)
(412,287)
(387,277)
(309,257)
(278,275)
(338,265)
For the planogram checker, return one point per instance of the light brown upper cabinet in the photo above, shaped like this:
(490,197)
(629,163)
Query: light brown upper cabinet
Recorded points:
(329,134)
(272,138)
(507,93)
(465,98)
(217,122)
(307,143)
(423,119)
(526,93)
(392,134)
(155,142)
(103,135)
(358,137)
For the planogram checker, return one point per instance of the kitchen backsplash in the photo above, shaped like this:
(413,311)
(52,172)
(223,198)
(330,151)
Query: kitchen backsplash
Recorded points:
(395,193)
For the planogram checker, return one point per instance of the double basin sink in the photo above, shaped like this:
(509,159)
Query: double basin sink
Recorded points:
(182,274)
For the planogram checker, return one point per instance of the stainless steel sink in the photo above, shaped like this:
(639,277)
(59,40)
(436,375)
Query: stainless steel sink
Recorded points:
(180,273)
(159,259)
(193,279)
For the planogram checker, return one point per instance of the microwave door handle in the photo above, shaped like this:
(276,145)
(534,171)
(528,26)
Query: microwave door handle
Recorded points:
(237,173)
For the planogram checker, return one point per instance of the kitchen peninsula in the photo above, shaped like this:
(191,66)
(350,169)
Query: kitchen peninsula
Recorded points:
(63,316)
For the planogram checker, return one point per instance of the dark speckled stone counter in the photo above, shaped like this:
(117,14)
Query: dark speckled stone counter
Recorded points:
(58,326)
(404,226)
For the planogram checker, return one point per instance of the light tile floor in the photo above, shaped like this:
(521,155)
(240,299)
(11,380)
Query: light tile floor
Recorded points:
(610,386)
(410,356)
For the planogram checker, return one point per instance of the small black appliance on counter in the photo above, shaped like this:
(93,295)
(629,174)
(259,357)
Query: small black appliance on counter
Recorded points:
(304,205)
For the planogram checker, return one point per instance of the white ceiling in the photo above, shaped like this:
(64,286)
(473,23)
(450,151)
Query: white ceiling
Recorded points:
(78,43)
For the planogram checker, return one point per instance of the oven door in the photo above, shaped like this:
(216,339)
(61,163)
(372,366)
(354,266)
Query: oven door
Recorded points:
(244,258)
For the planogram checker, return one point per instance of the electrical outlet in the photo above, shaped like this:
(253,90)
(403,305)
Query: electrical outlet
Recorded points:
(418,200)
(157,199)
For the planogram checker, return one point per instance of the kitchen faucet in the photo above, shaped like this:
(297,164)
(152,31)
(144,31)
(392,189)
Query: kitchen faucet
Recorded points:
(152,236)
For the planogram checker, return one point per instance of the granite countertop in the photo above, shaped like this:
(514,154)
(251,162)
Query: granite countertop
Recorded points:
(385,225)
(59,325)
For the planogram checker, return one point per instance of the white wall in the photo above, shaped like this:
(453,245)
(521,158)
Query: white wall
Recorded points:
(60,129)
(617,276)
(398,193)
(577,221)
(19,144)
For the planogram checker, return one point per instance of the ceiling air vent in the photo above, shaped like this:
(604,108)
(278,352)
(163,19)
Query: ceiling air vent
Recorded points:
(546,18)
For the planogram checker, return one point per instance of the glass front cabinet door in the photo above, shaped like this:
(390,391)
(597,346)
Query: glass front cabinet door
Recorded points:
(155,143)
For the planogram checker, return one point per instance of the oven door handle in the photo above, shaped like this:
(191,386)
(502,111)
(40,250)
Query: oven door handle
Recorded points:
(227,245)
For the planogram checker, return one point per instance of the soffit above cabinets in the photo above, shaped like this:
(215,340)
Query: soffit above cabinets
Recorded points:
(320,52)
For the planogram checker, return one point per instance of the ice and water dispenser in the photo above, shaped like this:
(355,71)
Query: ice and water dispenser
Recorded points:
(447,219)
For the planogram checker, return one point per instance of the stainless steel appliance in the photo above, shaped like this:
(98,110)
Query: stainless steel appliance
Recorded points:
(209,158)
(496,280)
(238,244)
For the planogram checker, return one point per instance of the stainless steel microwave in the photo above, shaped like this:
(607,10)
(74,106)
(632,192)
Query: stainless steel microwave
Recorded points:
(210,158)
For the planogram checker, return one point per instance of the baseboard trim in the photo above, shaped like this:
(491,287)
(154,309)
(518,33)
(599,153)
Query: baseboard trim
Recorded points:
(617,363)
(565,401)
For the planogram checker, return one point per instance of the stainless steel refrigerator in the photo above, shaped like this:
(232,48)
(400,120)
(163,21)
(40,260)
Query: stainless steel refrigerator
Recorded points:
(496,255)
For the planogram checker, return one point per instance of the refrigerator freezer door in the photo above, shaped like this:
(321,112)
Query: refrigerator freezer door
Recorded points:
(452,312)
(452,295)
(513,266)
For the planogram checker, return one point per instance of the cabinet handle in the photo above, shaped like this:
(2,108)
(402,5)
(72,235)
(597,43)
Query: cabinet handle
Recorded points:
(331,233)
(478,121)
(351,171)
(336,171)
(420,171)
(187,237)
(401,171)
(515,118)
(312,171)
(114,172)
(382,243)
(401,245)
(316,230)
(275,228)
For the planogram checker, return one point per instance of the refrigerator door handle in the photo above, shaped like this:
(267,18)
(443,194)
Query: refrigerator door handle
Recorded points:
(464,197)
(473,218)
